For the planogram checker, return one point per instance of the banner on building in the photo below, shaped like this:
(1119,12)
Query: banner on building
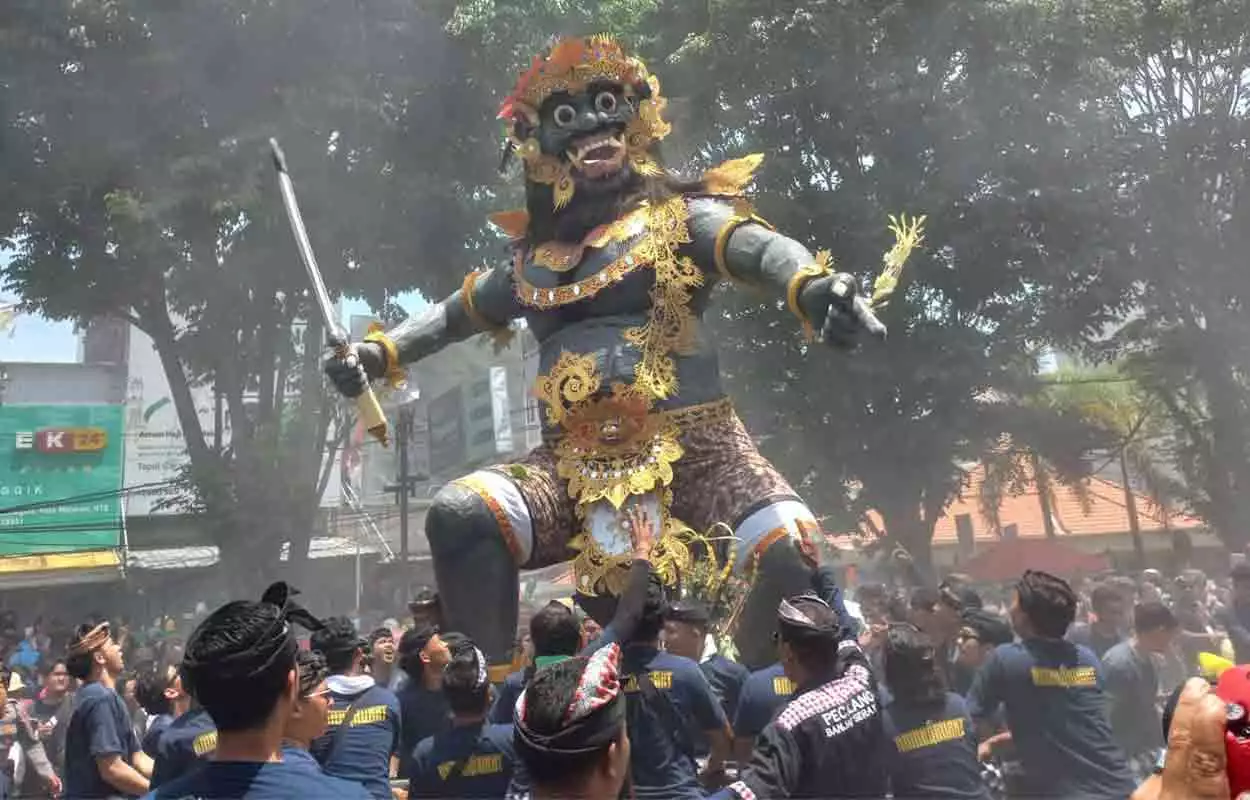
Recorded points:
(157,450)
(60,478)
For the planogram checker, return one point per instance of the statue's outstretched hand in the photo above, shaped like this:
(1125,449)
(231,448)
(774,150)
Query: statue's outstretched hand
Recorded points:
(848,313)
(365,361)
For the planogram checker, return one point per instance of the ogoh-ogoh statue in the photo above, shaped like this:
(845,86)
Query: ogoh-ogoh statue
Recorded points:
(613,260)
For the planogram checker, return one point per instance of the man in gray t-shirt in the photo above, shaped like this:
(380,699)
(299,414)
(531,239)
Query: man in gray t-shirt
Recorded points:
(1133,683)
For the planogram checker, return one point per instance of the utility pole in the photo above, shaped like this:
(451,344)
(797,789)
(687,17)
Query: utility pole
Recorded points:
(406,482)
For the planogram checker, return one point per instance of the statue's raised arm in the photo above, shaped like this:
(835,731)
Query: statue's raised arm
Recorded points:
(485,303)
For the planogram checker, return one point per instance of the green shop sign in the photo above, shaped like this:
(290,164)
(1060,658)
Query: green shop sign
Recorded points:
(60,478)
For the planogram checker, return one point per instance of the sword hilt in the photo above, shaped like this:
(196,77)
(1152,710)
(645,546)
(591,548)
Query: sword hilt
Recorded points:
(367,405)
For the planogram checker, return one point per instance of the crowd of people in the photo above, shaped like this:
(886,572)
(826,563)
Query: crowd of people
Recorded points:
(955,691)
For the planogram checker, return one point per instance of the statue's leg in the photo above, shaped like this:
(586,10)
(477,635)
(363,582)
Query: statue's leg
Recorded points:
(482,530)
(723,478)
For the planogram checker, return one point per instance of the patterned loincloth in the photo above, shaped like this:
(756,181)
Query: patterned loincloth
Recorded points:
(721,477)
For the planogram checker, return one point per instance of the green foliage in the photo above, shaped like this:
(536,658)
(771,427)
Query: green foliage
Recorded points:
(1080,163)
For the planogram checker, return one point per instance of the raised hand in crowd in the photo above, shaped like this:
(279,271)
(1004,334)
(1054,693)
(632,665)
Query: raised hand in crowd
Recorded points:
(1196,765)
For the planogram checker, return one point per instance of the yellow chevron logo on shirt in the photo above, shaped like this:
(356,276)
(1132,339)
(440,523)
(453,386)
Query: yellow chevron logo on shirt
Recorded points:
(478,765)
(783,686)
(1065,677)
(663,679)
(369,715)
(935,733)
(204,744)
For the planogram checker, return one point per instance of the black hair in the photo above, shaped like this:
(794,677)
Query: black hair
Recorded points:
(554,630)
(408,651)
(547,700)
(78,664)
(49,666)
(152,679)
(654,609)
(911,667)
(1153,616)
(924,598)
(1048,602)
(338,641)
(462,687)
(1104,594)
(312,670)
(238,662)
(816,651)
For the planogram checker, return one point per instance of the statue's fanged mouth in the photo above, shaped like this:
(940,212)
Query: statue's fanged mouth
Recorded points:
(598,155)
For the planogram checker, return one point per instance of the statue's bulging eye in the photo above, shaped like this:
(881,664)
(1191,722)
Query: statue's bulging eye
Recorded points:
(605,102)
(565,115)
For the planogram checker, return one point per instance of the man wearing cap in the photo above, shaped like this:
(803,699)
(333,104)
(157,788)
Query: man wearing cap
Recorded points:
(422,656)
(828,740)
(362,740)
(16,727)
(103,757)
(979,634)
(426,609)
(686,634)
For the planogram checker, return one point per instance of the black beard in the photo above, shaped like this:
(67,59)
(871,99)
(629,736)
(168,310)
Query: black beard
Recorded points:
(596,201)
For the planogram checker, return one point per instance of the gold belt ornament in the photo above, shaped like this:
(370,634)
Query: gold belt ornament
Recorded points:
(614,449)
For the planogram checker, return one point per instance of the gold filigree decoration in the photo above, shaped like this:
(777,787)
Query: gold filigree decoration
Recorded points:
(571,66)
(600,572)
(908,235)
(732,177)
(555,296)
(671,327)
(614,447)
(573,379)
(394,374)
(822,266)
(564,256)
(502,334)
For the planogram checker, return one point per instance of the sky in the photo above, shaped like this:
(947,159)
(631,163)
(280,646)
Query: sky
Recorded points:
(33,338)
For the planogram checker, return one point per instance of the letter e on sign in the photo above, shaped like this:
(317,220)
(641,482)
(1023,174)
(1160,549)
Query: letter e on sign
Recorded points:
(25,441)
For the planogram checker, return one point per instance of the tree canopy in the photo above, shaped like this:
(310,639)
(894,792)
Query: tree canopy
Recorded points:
(1081,163)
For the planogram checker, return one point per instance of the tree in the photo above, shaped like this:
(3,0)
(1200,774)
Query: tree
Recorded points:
(141,189)
(1181,82)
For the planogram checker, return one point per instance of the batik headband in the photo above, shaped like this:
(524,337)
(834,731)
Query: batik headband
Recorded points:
(92,640)
(593,717)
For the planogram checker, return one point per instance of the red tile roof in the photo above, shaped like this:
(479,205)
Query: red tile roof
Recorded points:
(1105,513)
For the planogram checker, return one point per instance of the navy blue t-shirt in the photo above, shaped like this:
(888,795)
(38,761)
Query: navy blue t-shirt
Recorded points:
(505,698)
(423,714)
(474,761)
(185,745)
(662,757)
(1052,691)
(155,729)
(100,726)
(289,779)
(932,751)
(364,751)
(726,678)
(764,693)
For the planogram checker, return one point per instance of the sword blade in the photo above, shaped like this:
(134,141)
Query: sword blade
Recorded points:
(334,329)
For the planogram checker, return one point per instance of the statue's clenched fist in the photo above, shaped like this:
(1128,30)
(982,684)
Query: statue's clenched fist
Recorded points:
(848,312)
(364,362)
